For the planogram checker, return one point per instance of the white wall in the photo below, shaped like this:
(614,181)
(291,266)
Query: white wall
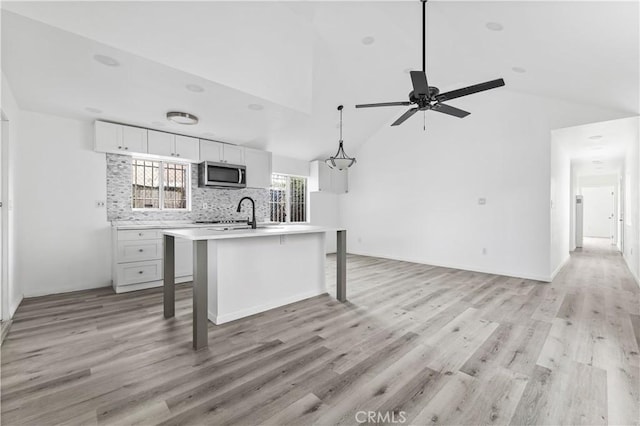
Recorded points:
(63,239)
(290,166)
(560,206)
(413,195)
(14,286)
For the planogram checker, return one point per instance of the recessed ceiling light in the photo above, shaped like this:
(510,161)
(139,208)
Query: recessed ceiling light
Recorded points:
(595,137)
(182,117)
(368,40)
(255,107)
(106,60)
(93,110)
(519,70)
(494,26)
(194,88)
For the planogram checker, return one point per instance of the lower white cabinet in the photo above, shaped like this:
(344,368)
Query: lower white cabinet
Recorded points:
(138,259)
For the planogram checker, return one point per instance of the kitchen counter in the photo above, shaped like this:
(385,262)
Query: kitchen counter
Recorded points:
(210,233)
(135,224)
(242,272)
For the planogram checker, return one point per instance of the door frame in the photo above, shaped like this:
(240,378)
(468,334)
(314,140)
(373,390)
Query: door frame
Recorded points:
(5,313)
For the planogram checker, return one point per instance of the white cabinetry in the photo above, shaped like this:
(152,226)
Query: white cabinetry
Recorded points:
(138,263)
(119,139)
(219,152)
(258,168)
(325,179)
(177,146)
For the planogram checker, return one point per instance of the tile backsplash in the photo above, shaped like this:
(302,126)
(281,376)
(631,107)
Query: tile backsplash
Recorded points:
(221,203)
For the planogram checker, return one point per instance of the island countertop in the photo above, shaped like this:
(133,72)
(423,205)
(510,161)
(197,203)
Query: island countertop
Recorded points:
(210,233)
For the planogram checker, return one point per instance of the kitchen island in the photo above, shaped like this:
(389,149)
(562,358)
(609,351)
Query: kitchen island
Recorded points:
(241,272)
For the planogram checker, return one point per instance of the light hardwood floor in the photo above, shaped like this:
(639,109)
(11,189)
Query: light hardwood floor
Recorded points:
(427,344)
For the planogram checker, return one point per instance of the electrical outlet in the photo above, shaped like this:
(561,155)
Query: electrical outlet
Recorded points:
(482,201)
(100,203)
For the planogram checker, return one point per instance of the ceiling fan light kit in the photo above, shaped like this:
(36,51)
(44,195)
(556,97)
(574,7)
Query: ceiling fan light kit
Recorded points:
(425,97)
(341,160)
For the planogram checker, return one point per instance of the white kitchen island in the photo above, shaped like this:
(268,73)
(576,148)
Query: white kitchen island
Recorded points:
(241,272)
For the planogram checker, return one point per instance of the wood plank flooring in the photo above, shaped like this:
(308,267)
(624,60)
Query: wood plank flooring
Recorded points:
(418,343)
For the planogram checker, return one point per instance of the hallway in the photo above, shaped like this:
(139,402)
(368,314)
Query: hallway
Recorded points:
(595,335)
(441,346)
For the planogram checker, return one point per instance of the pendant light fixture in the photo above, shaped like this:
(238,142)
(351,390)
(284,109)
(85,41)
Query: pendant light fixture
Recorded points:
(341,160)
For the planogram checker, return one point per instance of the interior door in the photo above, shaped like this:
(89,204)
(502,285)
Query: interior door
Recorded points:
(598,211)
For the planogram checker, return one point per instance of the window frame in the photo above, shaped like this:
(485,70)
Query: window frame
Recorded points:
(161,169)
(307,197)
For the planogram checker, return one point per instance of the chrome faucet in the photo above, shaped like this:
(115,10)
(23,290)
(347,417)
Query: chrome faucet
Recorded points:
(253,221)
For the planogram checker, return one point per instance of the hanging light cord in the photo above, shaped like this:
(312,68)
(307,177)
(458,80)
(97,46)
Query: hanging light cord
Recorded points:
(340,109)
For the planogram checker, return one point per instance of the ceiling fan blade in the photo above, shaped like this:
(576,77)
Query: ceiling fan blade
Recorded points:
(446,109)
(419,81)
(405,116)
(384,104)
(470,90)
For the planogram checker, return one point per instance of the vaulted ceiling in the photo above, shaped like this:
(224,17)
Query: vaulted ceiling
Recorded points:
(301,59)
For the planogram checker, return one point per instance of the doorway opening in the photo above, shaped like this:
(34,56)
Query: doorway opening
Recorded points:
(598,216)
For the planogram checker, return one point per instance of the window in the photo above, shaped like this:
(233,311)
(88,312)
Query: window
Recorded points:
(288,198)
(149,176)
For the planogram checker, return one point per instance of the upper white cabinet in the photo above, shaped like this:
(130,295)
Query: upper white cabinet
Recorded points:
(187,147)
(210,151)
(325,179)
(170,145)
(219,152)
(119,139)
(258,168)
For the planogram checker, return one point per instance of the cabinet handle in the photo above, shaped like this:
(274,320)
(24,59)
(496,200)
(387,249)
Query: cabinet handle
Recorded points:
(119,147)
(177,155)
(140,272)
(140,250)
(126,147)
(172,154)
(140,234)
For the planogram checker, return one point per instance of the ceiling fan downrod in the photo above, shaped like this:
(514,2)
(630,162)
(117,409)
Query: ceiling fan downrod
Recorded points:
(424,36)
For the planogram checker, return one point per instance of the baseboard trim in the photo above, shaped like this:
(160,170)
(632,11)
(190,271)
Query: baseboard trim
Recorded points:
(460,267)
(635,277)
(559,268)
(149,284)
(4,330)
(243,313)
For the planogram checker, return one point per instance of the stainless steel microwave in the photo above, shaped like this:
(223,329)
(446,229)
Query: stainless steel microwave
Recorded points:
(222,175)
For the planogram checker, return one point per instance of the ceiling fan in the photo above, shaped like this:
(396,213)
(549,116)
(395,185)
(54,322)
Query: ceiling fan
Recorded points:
(426,97)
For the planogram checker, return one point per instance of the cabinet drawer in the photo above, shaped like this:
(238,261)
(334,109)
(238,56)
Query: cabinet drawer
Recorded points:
(139,234)
(131,251)
(139,272)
